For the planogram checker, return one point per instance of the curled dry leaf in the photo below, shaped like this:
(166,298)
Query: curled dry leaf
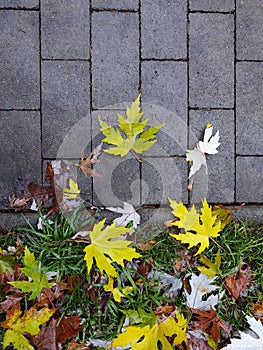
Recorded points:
(91,159)
(258,311)
(239,281)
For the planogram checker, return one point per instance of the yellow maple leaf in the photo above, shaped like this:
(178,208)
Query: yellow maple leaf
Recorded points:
(152,335)
(72,191)
(116,292)
(32,270)
(204,227)
(28,323)
(105,251)
(213,268)
(138,139)
(187,219)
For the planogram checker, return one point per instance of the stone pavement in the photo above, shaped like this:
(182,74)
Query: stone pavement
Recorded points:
(199,61)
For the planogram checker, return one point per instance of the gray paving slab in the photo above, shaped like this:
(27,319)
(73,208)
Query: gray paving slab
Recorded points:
(212,5)
(19,79)
(20,150)
(221,166)
(249,177)
(211,65)
(65,29)
(115,58)
(17,4)
(165,84)
(65,108)
(163,178)
(115,4)
(249,30)
(249,106)
(119,181)
(164,29)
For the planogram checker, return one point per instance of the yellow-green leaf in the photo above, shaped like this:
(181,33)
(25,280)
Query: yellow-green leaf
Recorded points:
(141,338)
(212,269)
(72,191)
(116,292)
(187,219)
(32,270)
(28,323)
(137,138)
(105,251)
(204,225)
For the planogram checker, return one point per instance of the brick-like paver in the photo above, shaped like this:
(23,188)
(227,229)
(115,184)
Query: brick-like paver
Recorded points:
(162,178)
(65,101)
(19,63)
(115,4)
(212,5)
(164,28)
(20,150)
(194,62)
(249,120)
(65,29)
(249,179)
(115,58)
(211,60)
(19,4)
(249,30)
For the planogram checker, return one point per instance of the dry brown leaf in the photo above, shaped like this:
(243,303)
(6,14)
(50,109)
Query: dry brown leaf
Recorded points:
(239,281)
(258,311)
(147,245)
(210,323)
(85,162)
(164,310)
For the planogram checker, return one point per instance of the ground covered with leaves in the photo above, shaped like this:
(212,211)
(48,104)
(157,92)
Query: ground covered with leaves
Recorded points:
(99,289)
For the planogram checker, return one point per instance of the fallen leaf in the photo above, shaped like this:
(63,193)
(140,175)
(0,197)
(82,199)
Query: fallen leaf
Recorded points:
(200,286)
(207,146)
(90,160)
(213,268)
(152,335)
(249,339)
(258,311)
(204,225)
(164,310)
(137,138)
(72,191)
(197,340)
(147,245)
(128,214)
(105,251)
(209,322)
(239,281)
(223,215)
(28,323)
(32,270)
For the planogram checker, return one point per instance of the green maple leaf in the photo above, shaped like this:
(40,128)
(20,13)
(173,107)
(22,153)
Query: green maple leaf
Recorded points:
(106,251)
(204,225)
(138,139)
(28,323)
(32,270)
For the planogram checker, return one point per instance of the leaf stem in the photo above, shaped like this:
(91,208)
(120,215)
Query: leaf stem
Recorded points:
(135,155)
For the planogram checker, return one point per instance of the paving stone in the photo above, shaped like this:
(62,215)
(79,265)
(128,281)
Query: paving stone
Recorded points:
(164,28)
(115,58)
(211,65)
(249,31)
(65,108)
(164,100)
(163,178)
(19,81)
(119,181)
(116,4)
(17,4)
(65,29)
(249,104)
(20,151)
(249,178)
(221,166)
(212,5)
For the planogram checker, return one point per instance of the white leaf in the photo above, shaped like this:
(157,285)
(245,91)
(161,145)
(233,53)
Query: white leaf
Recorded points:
(248,341)
(41,223)
(167,280)
(34,206)
(128,214)
(200,286)
(97,151)
(208,145)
